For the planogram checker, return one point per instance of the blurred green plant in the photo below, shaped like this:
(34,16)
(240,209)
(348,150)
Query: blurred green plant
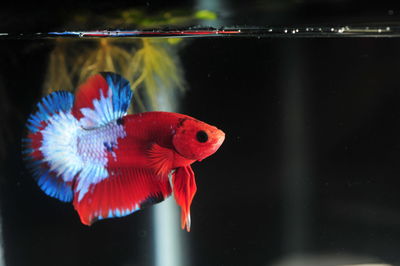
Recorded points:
(140,19)
(57,76)
(152,67)
(150,64)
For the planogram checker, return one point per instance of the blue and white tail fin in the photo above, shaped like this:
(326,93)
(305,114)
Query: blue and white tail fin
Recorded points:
(45,126)
(51,146)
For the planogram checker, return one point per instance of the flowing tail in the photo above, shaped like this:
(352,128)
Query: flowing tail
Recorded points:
(45,145)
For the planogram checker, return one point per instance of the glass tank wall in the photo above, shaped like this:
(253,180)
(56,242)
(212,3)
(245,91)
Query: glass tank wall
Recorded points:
(308,173)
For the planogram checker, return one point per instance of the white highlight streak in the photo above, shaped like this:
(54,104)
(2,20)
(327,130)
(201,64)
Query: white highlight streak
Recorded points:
(169,248)
(168,244)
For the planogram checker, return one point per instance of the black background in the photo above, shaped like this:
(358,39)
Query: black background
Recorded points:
(309,165)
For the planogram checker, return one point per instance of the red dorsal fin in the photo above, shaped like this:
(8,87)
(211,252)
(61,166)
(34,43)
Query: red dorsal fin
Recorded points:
(88,91)
(101,99)
(125,191)
(184,186)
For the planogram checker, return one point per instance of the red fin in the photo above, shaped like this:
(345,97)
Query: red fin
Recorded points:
(35,144)
(87,92)
(125,191)
(161,159)
(184,186)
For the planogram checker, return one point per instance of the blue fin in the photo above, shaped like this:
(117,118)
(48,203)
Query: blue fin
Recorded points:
(49,181)
(103,98)
(52,185)
(59,101)
(122,93)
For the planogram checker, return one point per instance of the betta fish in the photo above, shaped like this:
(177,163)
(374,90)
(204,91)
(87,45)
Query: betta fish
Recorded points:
(85,149)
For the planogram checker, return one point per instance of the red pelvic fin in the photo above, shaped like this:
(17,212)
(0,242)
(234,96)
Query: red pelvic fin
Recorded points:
(88,91)
(184,186)
(161,159)
(125,191)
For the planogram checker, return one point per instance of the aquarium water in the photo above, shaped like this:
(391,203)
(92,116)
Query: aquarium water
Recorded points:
(308,173)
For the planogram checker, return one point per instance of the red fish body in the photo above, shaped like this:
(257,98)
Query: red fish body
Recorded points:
(86,149)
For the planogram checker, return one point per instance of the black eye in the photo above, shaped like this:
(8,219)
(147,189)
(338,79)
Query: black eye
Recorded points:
(201,136)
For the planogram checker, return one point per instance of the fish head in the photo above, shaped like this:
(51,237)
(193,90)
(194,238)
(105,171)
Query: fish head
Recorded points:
(197,140)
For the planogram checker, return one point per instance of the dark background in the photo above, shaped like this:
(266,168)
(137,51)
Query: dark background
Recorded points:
(309,166)
(39,17)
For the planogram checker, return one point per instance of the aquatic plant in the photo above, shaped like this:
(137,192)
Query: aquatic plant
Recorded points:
(105,57)
(58,77)
(141,19)
(153,67)
(150,65)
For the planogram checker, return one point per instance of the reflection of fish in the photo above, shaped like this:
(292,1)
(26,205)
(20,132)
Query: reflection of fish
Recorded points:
(87,150)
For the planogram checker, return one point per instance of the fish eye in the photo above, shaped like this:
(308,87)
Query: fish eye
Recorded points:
(201,136)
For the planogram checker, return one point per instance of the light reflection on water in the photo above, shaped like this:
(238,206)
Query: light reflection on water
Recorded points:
(319,31)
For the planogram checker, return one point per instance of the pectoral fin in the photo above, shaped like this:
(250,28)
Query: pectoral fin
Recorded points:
(184,188)
(161,159)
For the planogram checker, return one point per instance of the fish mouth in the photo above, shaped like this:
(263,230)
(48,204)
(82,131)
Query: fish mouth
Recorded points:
(218,139)
(220,136)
